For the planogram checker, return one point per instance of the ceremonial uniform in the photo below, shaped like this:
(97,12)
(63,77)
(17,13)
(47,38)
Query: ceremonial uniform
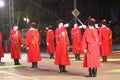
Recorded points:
(15,47)
(91,47)
(33,41)
(62,45)
(106,42)
(76,37)
(50,43)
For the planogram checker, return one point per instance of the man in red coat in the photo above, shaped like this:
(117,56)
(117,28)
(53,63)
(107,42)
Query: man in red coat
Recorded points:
(50,41)
(76,36)
(62,45)
(16,41)
(91,48)
(33,41)
(1,49)
(106,41)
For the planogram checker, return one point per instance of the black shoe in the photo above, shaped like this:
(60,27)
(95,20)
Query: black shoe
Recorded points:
(65,71)
(89,76)
(60,69)
(18,64)
(94,72)
(90,73)
(79,58)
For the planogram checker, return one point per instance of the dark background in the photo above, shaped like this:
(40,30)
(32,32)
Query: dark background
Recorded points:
(49,12)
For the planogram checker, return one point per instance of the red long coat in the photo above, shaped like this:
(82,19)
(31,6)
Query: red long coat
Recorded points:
(50,41)
(90,42)
(76,36)
(106,41)
(16,40)
(33,40)
(1,49)
(62,45)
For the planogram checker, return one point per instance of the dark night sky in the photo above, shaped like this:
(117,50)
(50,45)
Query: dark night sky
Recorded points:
(66,6)
(48,12)
(62,9)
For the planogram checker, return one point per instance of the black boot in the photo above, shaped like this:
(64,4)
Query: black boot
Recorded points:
(52,56)
(78,56)
(64,68)
(18,63)
(15,61)
(60,68)
(105,58)
(90,72)
(94,72)
(33,65)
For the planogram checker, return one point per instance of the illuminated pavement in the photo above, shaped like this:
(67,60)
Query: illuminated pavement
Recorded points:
(48,71)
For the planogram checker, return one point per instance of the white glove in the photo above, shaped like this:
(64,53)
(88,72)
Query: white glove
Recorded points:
(22,45)
(85,50)
(66,25)
(80,26)
(27,48)
(84,26)
(47,44)
(96,25)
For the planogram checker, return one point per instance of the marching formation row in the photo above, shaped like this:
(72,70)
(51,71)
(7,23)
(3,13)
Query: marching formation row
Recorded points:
(93,43)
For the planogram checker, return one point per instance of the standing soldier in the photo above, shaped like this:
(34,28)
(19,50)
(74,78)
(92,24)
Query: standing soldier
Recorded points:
(106,41)
(16,43)
(50,42)
(1,49)
(91,48)
(76,36)
(33,41)
(62,45)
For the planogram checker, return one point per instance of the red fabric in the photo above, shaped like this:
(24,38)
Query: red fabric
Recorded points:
(62,45)
(106,41)
(76,36)
(33,40)
(16,40)
(50,41)
(91,43)
(1,49)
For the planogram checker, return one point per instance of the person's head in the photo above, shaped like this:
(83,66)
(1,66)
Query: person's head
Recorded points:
(91,22)
(104,22)
(75,25)
(60,24)
(15,27)
(32,25)
(50,27)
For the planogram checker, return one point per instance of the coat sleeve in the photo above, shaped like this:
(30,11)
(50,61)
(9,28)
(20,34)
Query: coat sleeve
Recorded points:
(84,42)
(0,37)
(20,37)
(27,40)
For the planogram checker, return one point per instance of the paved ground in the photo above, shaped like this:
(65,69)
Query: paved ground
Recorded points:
(48,71)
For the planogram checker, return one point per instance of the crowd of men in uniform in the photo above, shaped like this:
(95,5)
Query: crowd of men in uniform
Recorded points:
(96,41)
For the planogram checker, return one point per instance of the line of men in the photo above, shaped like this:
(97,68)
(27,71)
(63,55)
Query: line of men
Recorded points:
(96,41)
(92,44)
